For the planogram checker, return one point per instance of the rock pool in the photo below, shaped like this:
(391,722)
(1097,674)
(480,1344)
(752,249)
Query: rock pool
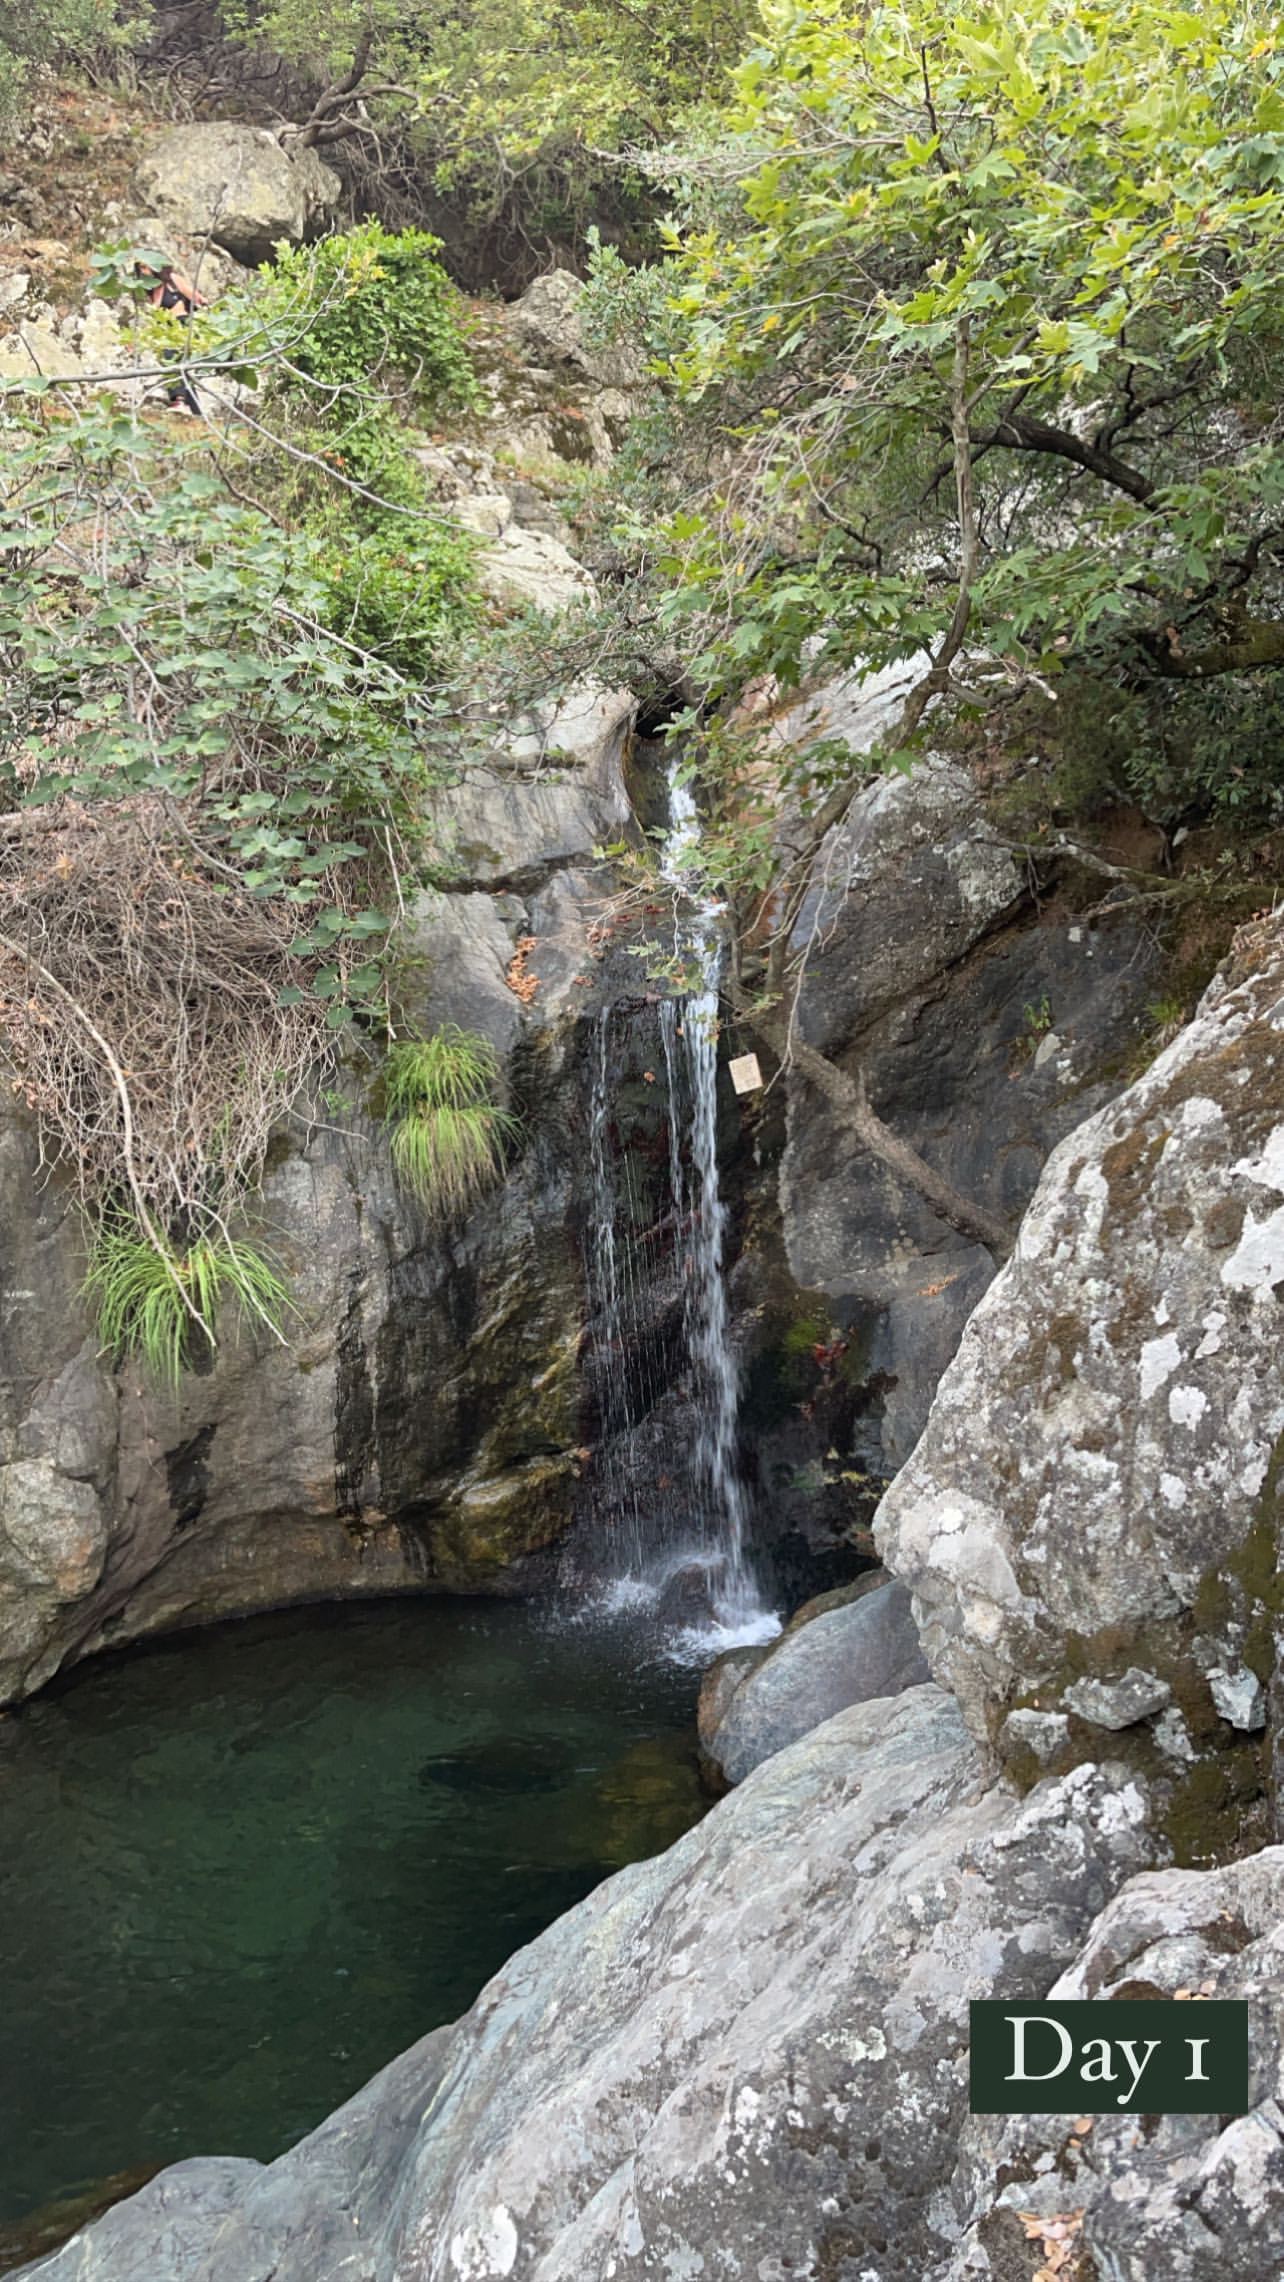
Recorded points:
(243,1868)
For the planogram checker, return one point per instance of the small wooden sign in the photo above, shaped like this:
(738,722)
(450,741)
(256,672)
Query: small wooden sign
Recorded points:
(746,1076)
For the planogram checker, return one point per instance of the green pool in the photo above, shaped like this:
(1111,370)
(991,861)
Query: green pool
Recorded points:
(240,1871)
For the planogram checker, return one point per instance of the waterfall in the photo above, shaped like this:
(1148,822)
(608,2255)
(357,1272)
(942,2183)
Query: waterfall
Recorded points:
(669,1508)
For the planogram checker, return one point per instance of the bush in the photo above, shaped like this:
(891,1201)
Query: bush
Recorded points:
(54,31)
(403,597)
(371,305)
(448,1133)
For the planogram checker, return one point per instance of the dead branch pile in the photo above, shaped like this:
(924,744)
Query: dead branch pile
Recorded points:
(140,1006)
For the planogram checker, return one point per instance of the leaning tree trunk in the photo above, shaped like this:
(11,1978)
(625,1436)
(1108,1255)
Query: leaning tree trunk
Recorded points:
(849,1096)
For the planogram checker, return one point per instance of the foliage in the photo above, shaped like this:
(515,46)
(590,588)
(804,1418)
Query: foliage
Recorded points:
(1179,750)
(519,115)
(347,323)
(212,798)
(223,715)
(368,308)
(448,1133)
(1037,253)
(402,596)
(59,31)
(150,1302)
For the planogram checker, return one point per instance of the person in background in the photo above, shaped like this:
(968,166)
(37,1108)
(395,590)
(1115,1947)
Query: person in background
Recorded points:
(171,288)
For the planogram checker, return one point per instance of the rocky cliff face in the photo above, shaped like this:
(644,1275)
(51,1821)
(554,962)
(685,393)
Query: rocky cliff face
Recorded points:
(1095,1563)
(420,1429)
(989,1025)
(747,2057)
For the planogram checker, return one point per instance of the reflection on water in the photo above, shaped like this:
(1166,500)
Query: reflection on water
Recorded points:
(240,1872)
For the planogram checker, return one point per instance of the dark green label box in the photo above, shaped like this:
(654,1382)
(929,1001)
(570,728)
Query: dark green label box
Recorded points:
(1138,2056)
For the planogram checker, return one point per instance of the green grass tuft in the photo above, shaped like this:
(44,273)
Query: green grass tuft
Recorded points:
(448,1132)
(140,1306)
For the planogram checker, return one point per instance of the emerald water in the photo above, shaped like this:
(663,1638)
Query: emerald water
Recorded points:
(242,1870)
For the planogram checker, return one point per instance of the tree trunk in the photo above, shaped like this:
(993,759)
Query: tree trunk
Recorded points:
(849,1096)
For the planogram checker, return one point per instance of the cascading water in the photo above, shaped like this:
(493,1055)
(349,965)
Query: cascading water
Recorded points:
(668,1500)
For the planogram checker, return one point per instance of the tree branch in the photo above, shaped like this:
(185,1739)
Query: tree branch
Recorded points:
(1020,432)
(148,1225)
(849,1096)
(1256,643)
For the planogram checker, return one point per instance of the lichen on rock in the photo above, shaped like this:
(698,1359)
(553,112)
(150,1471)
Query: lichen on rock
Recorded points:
(1089,1524)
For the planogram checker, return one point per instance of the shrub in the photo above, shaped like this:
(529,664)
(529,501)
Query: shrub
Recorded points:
(59,31)
(404,595)
(139,1294)
(373,304)
(448,1132)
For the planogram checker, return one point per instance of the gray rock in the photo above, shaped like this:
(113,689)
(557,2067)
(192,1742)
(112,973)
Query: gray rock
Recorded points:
(1044,1734)
(466,944)
(1239,1697)
(1159,2198)
(1171,1734)
(744,2058)
(847,1655)
(547,319)
(924,959)
(530,570)
(236,184)
(552,793)
(1098,1468)
(1120,1703)
(416,1435)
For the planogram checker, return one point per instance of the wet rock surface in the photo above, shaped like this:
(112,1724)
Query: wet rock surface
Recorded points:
(845,1655)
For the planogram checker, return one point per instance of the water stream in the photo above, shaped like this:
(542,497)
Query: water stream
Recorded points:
(675,1518)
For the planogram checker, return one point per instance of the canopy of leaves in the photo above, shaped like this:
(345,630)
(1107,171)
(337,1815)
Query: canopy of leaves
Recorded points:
(1083,200)
(510,119)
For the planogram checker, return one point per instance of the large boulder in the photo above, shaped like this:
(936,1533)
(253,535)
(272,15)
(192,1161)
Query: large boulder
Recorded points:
(548,321)
(745,2057)
(233,183)
(848,1654)
(1090,1523)
(988,1024)
(1149,2198)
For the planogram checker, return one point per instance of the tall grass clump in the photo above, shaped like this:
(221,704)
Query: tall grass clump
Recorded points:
(448,1131)
(139,1291)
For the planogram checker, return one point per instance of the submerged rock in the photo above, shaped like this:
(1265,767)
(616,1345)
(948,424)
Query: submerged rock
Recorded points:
(744,2057)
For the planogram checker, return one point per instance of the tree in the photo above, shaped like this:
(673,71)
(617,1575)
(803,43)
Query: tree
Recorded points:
(520,119)
(56,31)
(983,343)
